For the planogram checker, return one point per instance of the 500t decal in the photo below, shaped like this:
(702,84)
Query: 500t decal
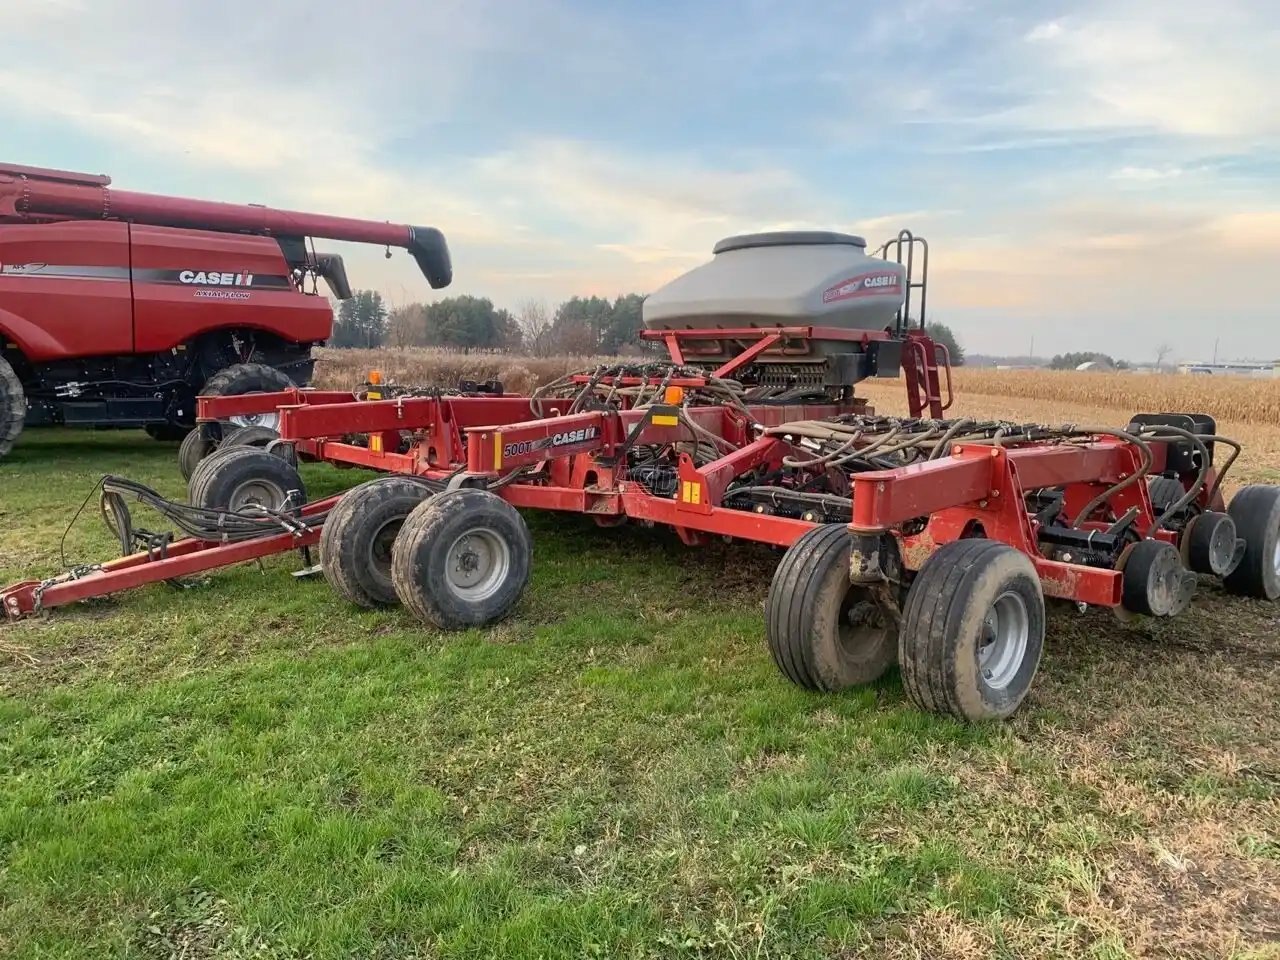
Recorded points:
(567,439)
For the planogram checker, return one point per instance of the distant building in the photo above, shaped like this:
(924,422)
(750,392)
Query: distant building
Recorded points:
(1097,366)
(1237,368)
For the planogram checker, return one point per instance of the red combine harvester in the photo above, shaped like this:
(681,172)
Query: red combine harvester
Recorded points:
(920,540)
(117,309)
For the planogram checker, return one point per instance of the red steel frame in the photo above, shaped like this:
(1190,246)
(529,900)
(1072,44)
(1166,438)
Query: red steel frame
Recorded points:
(183,558)
(575,462)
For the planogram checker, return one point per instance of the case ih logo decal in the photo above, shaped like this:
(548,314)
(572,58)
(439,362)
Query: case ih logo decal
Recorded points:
(869,284)
(215,279)
(567,439)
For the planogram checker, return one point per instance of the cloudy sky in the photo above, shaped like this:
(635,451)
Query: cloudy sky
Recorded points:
(1093,173)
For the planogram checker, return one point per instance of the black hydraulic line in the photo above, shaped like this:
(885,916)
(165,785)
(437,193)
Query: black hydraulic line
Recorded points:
(1154,432)
(1135,477)
(1236,450)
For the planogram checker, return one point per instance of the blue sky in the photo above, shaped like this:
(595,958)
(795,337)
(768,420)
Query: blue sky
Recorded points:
(1096,174)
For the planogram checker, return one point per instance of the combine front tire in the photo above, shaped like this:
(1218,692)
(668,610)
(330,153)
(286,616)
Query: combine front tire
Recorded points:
(972,631)
(824,632)
(461,559)
(1256,512)
(355,546)
(13,407)
(243,477)
(242,378)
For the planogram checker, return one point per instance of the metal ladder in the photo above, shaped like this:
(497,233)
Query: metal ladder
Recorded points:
(922,359)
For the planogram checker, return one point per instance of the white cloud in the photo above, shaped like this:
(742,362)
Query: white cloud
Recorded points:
(1147,174)
(1182,69)
(1045,31)
(1108,106)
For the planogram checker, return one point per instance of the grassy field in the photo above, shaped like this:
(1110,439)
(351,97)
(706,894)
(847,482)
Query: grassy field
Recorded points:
(250,768)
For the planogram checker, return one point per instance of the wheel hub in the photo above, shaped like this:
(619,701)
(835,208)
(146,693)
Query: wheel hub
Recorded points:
(383,540)
(256,493)
(1002,645)
(478,563)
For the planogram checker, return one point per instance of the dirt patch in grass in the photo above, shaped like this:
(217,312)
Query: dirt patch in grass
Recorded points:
(1190,894)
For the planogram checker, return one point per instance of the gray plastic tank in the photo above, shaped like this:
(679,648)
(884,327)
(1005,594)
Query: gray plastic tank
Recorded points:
(793,278)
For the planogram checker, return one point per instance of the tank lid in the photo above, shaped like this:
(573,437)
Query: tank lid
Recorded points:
(787,238)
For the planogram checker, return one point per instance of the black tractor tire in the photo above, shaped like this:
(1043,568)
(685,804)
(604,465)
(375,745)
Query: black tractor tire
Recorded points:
(355,545)
(13,407)
(166,432)
(196,480)
(973,631)
(193,450)
(461,559)
(826,633)
(245,476)
(196,447)
(242,378)
(1256,512)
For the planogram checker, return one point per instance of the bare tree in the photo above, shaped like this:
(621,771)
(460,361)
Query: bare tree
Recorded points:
(1162,351)
(407,326)
(534,320)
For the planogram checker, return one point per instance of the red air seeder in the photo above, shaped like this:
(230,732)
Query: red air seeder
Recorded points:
(920,540)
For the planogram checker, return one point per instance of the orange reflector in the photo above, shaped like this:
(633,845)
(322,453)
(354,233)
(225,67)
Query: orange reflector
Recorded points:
(673,396)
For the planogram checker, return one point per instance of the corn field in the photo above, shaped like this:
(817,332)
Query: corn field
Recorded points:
(1237,399)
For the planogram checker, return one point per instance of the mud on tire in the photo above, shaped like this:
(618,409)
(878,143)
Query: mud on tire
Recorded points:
(972,631)
(243,476)
(462,559)
(356,542)
(824,632)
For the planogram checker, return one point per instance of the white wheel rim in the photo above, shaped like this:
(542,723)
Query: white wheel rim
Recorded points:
(271,420)
(1275,558)
(262,493)
(1002,645)
(477,565)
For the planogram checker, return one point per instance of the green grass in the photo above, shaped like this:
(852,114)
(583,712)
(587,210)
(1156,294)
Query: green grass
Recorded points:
(252,768)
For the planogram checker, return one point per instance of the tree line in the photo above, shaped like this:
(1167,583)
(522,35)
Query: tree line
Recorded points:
(580,325)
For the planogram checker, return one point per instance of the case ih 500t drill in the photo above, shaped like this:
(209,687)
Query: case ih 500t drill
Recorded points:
(928,541)
(117,309)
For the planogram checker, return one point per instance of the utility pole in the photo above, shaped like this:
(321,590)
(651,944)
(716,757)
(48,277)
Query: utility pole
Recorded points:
(1215,349)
